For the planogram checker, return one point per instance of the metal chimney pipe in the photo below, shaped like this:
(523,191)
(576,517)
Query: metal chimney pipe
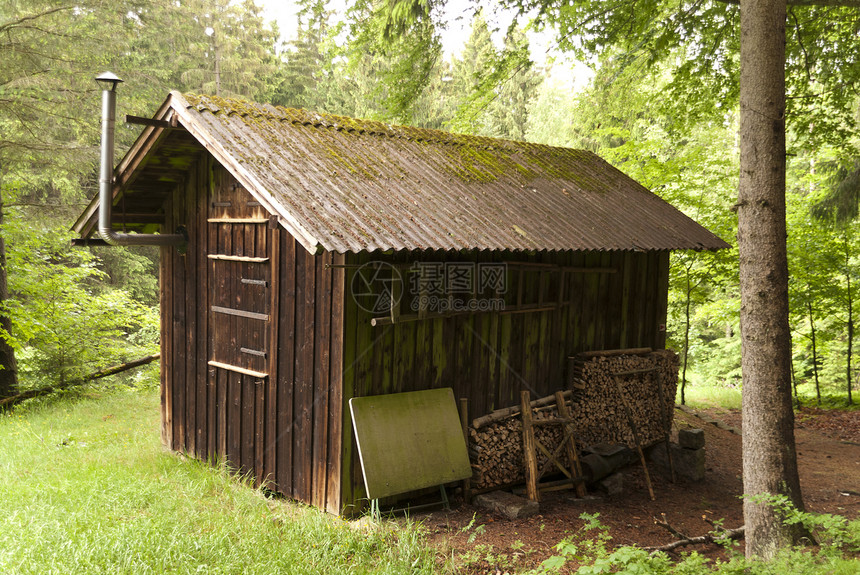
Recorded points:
(110,81)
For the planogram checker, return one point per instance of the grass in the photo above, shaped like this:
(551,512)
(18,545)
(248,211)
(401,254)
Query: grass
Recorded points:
(87,487)
(701,396)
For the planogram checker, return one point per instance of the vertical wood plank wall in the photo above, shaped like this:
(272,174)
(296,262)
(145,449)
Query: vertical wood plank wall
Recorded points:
(276,409)
(282,414)
(491,357)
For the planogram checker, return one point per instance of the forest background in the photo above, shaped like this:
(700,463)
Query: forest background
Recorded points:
(68,311)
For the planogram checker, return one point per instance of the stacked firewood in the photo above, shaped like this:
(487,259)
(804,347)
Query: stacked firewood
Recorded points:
(496,440)
(496,449)
(599,415)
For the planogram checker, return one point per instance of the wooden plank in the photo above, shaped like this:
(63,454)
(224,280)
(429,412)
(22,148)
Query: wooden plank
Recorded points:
(238,220)
(336,360)
(270,463)
(463,360)
(191,335)
(405,336)
(179,334)
(286,364)
(240,313)
(250,240)
(303,403)
(450,376)
(223,402)
(486,345)
(350,323)
(529,456)
(440,359)
(590,305)
(575,319)
(234,419)
(515,360)
(464,425)
(249,404)
(217,408)
(661,294)
(233,258)
(240,370)
(643,300)
(603,299)
(505,397)
(542,382)
(322,338)
(212,416)
(260,390)
(200,235)
(623,326)
(166,308)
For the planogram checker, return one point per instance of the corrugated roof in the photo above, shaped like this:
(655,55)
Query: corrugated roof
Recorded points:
(341,184)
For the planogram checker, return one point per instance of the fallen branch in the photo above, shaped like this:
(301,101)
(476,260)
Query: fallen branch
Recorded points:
(8,402)
(714,537)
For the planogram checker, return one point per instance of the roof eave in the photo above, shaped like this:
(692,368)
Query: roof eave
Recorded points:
(180,106)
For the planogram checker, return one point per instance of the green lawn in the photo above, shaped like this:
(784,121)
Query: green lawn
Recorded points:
(87,487)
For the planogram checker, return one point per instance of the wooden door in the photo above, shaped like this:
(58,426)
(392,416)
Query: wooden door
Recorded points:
(240,323)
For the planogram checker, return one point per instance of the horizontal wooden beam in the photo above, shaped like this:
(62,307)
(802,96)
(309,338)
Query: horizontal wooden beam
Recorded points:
(151,122)
(238,220)
(227,258)
(242,370)
(240,313)
(254,352)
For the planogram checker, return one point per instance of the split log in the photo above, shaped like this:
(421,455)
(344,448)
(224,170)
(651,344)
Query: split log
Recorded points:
(614,352)
(13,400)
(506,412)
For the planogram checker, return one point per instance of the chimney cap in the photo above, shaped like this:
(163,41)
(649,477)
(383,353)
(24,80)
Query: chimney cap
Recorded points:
(109,78)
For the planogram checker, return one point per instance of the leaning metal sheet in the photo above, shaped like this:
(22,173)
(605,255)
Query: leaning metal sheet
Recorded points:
(408,441)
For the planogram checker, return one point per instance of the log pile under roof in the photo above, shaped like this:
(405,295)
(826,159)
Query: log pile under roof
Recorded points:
(598,414)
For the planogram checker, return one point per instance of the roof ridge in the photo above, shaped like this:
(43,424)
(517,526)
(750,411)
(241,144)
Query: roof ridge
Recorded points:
(242,107)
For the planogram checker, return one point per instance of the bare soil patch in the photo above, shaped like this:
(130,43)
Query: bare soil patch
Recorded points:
(828,444)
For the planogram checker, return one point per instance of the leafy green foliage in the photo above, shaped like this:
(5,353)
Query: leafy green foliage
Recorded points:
(72,314)
(496,87)
(66,322)
(588,550)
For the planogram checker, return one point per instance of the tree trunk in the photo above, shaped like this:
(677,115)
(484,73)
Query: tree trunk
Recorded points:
(850,318)
(769,454)
(8,365)
(686,337)
(814,347)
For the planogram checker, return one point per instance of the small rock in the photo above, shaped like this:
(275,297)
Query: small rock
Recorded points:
(507,504)
(612,485)
(691,438)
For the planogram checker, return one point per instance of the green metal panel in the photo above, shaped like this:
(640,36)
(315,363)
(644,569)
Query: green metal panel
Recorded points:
(408,441)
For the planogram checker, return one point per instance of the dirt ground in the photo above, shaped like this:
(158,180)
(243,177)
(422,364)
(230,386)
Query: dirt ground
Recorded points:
(828,444)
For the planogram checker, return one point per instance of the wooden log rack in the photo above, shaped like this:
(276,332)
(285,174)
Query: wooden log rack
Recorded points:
(531,445)
(635,428)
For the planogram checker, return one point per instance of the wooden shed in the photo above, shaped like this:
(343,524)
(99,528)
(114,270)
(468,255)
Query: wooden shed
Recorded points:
(329,258)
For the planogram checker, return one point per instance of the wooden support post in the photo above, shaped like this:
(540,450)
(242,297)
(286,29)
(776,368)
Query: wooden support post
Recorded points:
(570,442)
(464,423)
(529,456)
(635,429)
